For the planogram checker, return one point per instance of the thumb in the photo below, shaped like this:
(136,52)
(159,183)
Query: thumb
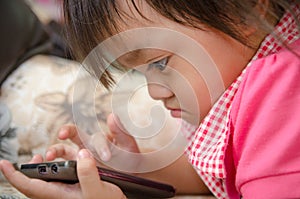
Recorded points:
(120,136)
(90,182)
(88,176)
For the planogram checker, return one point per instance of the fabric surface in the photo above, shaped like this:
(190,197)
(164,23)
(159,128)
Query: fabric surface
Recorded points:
(7,135)
(23,35)
(207,150)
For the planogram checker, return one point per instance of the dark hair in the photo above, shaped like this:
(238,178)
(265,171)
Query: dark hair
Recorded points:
(89,22)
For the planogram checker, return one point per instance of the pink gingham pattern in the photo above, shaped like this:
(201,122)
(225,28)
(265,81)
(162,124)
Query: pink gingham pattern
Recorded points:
(208,142)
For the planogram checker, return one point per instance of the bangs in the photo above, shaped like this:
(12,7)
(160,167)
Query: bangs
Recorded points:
(87,24)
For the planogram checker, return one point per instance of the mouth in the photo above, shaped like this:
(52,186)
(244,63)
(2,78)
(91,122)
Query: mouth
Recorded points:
(175,112)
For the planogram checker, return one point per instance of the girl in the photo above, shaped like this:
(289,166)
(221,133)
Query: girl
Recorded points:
(246,142)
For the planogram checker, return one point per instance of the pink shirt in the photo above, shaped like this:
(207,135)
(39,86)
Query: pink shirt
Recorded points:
(263,153)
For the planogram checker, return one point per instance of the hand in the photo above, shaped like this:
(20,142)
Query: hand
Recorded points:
(90,185)
(118,136)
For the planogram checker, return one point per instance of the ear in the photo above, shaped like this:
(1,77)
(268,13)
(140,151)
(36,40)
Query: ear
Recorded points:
(261,7)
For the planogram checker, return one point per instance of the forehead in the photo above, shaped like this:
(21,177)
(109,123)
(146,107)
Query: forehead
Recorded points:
(144,33)
(136,14)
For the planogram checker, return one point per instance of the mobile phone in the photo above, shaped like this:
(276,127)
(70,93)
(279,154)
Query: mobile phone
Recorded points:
(132,186)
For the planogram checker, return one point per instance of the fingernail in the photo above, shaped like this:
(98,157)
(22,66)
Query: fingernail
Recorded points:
(63,131)
(83,153)
(48,153)
(105,155)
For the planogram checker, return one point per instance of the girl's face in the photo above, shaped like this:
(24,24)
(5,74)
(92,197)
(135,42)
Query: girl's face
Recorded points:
(171,72)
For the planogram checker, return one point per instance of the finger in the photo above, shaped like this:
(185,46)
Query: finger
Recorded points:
(98,142)
(115,124)
(61,151)
(29,187)
(71,132)
(121,137)
(91,185)
(36,159)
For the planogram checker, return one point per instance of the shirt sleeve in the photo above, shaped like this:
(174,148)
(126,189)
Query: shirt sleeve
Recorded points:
(266,123)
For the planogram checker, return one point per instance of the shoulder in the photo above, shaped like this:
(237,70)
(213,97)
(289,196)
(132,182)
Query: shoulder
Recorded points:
(279,66)
(265,122)
(274,76)
(274,64)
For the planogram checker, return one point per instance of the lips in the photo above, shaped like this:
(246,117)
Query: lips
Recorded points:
(174,110)
(175,113)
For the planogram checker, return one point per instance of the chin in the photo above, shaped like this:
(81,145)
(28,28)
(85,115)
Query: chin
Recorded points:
(194,120)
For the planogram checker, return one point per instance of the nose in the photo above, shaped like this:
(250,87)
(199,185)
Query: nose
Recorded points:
(158,91)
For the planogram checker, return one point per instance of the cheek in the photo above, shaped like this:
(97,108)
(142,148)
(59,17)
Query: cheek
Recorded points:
(192,94)
(204,100)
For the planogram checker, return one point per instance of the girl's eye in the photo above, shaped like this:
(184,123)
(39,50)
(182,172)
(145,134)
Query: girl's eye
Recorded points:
(160,64)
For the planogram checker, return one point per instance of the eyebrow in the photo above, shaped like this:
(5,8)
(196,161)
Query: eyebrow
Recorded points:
(133,55)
